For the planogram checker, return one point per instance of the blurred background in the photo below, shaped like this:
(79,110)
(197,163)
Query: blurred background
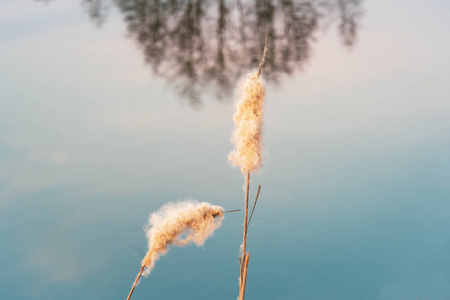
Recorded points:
(111,108)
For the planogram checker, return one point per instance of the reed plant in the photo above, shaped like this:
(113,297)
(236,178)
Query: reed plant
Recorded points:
(177,224)
(247,137)
(190,221)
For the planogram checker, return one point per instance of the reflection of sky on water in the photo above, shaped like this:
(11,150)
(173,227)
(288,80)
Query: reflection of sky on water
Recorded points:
(354,203)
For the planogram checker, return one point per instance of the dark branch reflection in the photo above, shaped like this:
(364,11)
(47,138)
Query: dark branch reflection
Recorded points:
(205,46)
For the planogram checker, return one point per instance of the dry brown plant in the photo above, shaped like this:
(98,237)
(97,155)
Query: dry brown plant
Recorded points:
(247,137)
(177,224)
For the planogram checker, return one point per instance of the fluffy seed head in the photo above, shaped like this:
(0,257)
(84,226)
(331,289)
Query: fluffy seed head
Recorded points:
(179,224)
(248,120)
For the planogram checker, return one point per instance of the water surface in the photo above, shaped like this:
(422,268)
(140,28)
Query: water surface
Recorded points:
(97,131)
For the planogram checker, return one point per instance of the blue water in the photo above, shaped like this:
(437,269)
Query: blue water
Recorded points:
(355,196)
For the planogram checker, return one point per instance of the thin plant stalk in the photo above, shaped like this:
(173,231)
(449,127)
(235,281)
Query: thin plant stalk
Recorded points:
(244,277)
(135,282)
(254,205)
(244,243)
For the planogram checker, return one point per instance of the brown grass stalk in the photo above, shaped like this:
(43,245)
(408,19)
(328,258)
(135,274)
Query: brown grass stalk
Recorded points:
(135,282)
(244,277)
(254,205)
(244,243)
(264,53)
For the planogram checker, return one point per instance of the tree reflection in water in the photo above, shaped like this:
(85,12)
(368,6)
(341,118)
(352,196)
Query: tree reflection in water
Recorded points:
(201,45)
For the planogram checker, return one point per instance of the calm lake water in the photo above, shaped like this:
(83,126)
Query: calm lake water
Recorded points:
(109,109)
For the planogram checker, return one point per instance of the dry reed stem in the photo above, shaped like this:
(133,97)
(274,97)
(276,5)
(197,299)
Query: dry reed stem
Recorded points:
(244,277)
(233,210)
(244,243)
(135,282)
(254,205)
(263,59)
(240,275)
